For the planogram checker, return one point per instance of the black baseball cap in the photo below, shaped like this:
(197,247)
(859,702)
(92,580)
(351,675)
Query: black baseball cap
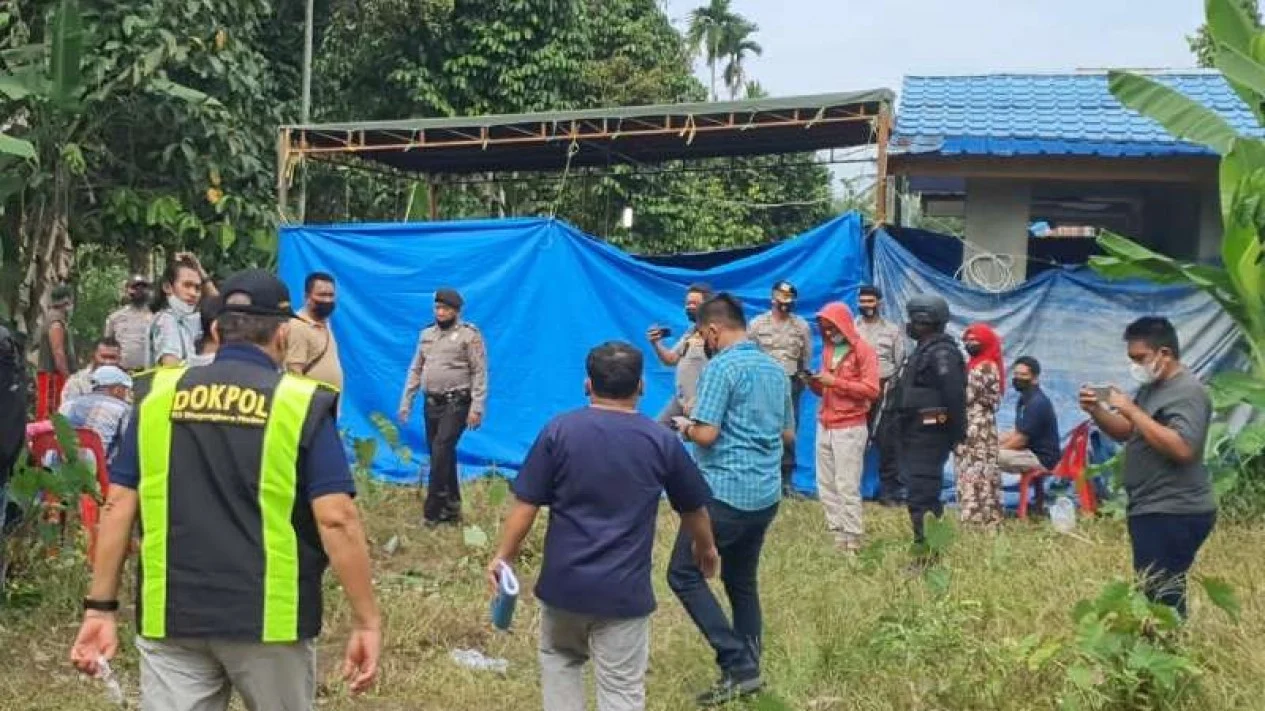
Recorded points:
(258,292)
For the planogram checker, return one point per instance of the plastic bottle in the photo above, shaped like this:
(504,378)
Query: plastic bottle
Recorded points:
(1063,515)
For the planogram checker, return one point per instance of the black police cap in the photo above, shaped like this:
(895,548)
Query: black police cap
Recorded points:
(258,292)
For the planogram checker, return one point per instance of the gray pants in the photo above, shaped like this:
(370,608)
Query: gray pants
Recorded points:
(619,648)
(200,675)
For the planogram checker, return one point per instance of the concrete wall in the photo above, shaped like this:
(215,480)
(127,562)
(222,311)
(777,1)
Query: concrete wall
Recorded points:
(997,220)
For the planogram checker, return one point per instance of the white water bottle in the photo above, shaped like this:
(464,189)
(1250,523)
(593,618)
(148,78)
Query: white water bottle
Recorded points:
(1063,515)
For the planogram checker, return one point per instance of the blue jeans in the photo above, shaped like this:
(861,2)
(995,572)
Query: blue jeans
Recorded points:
(1164,548)
(739,538)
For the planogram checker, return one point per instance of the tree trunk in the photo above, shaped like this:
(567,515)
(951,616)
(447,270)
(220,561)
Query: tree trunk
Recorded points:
(48,251)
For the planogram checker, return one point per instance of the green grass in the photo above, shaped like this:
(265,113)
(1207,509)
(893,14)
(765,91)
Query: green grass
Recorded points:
(840,634)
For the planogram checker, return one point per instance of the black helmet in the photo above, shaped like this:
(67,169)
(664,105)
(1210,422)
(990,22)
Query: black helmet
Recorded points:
(786,287)
(927,308)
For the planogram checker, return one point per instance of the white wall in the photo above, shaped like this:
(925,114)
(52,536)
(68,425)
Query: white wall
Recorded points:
(997,220)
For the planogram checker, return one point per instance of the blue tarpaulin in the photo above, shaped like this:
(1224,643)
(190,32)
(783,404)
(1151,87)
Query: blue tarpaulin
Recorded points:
(1070,319)
(543,294)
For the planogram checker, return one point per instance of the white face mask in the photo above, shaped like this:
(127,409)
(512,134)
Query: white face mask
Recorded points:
(1145,373)
(179,307)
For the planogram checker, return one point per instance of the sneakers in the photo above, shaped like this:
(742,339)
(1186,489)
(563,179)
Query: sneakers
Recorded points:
(730,688)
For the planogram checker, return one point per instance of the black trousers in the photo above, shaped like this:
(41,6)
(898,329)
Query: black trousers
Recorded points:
(739,538)
(445,421)
(885,436)
(788,452)
(1164,548)
(922,458)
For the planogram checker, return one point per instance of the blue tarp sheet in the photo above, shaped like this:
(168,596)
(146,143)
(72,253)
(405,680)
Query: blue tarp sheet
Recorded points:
(1070,319)
(543,294)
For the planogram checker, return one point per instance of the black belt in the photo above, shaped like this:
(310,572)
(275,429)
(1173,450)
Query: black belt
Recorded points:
(459,396)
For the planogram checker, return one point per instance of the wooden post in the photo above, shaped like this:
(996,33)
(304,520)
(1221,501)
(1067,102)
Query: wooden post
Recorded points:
(283,187)
(432,194)
(880,191)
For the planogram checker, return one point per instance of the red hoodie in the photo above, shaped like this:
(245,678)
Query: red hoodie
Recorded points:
(847,402)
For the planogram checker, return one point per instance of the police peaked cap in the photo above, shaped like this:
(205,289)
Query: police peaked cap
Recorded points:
(449,297)
(257,292)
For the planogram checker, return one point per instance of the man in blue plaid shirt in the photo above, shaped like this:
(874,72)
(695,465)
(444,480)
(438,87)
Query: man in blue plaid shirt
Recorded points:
(740,422)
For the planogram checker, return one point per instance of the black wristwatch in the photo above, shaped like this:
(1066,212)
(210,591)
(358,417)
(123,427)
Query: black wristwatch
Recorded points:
(100,605)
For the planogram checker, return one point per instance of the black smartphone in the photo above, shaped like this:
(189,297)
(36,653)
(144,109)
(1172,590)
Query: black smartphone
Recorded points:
(804,375)
(664,332)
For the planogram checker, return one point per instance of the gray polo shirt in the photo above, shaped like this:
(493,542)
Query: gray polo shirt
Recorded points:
(1156,484)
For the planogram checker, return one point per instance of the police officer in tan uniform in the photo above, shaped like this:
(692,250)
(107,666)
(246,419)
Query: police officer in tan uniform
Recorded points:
(786,337)
(450,366)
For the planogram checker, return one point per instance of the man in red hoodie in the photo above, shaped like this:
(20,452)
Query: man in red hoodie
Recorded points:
(848,385)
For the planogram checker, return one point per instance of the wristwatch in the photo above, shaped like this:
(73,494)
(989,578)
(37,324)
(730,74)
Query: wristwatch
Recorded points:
(100,605)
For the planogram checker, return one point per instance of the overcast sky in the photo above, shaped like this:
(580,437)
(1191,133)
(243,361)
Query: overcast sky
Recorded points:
(818,46)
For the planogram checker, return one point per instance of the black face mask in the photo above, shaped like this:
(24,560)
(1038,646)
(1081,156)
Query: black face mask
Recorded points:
(321,310)
(868,311)
(691,314)
(974,349)
(707,349)
(784,306)
(1021,384)
(917,332)
(446,324)
(138,297)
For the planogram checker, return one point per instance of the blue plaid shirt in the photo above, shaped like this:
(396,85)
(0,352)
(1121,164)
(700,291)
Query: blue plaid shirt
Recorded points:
(746,395)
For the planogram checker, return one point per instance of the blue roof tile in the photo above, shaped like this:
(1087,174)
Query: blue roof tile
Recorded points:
(1039,114)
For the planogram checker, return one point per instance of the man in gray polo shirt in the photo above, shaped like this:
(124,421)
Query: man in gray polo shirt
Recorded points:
(687,356)
(1171,507)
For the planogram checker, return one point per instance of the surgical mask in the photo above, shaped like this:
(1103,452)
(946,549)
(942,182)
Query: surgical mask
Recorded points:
(868,311)
(1021,384)
(691,314)
(974,349)
(1145,373)
(708,350)
(322,310)
(838,339)
(179,307)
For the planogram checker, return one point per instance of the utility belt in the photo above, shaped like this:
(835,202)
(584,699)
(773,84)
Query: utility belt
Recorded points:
(460,396)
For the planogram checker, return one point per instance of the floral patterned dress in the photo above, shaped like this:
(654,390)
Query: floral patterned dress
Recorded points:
(978,478)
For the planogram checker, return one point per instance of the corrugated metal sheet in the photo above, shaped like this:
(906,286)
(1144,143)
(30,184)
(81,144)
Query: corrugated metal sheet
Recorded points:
(1048,114)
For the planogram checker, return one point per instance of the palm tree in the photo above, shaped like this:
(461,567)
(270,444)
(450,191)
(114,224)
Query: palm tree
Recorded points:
(737,45)
(708,28)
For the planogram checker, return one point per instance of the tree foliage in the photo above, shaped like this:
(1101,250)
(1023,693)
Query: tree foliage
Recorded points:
(150,126)
(1202,43)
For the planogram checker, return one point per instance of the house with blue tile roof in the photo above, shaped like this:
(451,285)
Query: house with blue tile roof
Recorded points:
(1007,151)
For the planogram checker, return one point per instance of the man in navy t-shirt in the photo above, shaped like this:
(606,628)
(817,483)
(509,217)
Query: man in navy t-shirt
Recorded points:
(601,471)
(1034,443)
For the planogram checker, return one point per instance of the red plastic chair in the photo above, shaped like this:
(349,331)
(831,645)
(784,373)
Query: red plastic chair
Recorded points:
(1071,466)
(41,439)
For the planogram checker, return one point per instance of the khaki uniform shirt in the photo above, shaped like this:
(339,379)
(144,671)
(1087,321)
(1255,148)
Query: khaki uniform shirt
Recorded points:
(130,327)
(312,351)
(447,360)
(789,341)
(690,366)
(888,341)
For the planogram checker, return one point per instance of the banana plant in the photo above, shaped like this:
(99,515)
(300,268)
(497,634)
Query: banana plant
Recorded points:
(1238,285)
